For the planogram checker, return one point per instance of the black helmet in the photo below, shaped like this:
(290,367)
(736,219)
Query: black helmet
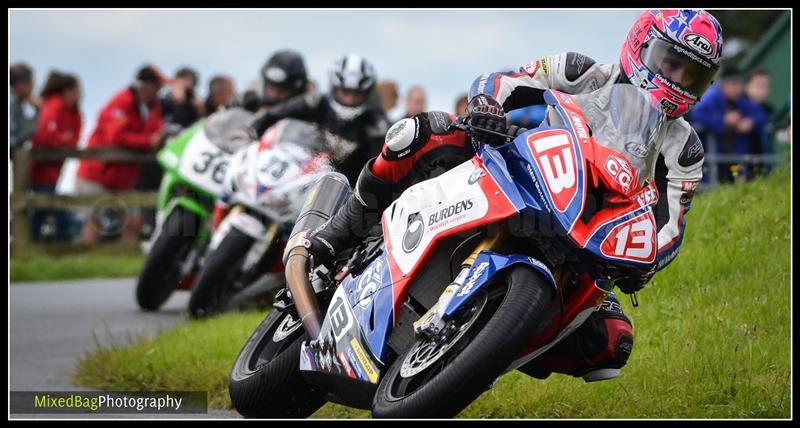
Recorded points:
(285,69)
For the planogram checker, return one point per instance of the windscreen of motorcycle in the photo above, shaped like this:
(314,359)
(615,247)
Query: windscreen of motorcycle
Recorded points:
(274,174)
(221,125)
(623,118)
(297,132)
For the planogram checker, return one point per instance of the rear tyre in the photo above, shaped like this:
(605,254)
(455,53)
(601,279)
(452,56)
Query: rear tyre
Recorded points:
(214,286)
(265,381)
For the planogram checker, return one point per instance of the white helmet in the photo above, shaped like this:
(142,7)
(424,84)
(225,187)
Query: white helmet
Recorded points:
(351,73)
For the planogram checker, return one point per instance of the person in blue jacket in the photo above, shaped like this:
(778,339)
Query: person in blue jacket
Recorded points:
(721,124)
(755,107)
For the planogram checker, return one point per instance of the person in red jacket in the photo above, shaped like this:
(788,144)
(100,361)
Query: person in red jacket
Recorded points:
(59,126)
(132,119)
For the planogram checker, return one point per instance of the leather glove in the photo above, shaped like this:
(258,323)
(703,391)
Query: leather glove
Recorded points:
(485,112)
(514,131)
(635,280)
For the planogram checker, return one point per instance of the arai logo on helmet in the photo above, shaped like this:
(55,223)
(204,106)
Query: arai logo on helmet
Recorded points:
(413,235)
(699,43)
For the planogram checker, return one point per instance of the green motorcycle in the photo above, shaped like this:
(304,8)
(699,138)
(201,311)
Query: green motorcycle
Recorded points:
(194,163)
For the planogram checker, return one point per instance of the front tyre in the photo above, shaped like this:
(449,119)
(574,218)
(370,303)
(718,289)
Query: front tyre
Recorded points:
(265,380)
(162,269)
(437,379)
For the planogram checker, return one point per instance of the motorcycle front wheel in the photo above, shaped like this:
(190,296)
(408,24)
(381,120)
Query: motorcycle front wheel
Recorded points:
(439,378)
(162,269)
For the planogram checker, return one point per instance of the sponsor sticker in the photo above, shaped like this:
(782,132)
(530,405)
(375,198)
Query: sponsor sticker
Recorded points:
(543,63)
(668,106)
(450,211)
(689,186)
(473,279)
(363,359)
(699,43)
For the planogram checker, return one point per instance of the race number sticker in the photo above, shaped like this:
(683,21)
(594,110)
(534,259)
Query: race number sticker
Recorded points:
(203,164)
(556,158)
(339,315)
(634,239)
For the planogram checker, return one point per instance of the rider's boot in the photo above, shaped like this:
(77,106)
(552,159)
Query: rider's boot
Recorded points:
(352,222)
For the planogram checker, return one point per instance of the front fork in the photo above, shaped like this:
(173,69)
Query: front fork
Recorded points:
(432,322)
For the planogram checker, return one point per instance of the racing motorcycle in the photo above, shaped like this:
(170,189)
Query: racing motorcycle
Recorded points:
(194,163)
(473,273)
(265,188)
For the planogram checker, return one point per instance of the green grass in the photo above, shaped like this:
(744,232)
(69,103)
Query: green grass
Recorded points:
(100,261)
(193,357)
(712,333)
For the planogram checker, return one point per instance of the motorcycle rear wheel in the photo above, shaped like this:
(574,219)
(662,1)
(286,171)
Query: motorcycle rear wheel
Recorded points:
(213,289)
(265,380)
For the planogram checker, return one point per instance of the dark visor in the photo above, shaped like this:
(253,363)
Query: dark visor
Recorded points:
(678,65)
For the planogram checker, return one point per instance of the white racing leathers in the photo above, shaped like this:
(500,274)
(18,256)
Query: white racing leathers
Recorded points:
(679,167)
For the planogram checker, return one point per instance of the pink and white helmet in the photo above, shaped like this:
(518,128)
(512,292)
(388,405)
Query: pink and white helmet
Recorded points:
(673,54)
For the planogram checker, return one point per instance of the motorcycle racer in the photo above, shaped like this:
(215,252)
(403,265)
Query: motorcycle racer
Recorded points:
(672,54)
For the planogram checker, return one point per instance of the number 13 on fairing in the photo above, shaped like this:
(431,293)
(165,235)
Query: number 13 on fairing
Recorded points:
(633,239)
(556,157)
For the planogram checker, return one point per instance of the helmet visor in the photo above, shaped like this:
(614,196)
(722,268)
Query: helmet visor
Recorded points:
(350,97)
(686,72)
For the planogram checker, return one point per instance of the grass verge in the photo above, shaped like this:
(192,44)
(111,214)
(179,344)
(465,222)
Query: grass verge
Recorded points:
(101,261)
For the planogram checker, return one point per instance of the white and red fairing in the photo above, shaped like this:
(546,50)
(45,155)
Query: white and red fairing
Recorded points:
(273,174)
(459,200)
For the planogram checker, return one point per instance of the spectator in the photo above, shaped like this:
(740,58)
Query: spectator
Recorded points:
(755,107)
(221,94)
(180,108)
(720,123)
(132,119)
(180,104)
(461,105)
(415,101)
(251,101)
(387,95)
(59,126)
(23,107)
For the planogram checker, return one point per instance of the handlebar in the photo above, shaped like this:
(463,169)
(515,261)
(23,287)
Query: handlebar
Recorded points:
(462,124)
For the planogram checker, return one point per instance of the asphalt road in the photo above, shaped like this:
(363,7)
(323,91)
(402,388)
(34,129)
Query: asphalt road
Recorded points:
(51,324)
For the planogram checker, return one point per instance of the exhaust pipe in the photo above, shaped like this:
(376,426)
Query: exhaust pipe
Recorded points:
(302,293)
(323,200)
